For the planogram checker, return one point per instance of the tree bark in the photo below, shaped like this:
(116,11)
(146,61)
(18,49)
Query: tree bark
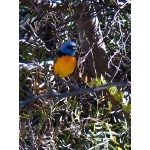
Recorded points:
(90,37)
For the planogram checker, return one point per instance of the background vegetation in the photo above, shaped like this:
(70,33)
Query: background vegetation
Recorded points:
(91,108)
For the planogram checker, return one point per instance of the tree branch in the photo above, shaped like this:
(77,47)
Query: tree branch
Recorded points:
(75,92)
(44,5)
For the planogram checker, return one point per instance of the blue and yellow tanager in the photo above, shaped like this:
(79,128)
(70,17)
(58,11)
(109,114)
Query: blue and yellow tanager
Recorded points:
(66,61)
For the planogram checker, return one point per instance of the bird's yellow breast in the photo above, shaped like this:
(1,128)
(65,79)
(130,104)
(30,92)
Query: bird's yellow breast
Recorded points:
(64,65)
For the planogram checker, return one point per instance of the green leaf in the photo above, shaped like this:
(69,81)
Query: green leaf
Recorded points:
(103,79)
(126,108)
(118,148)
(95,82)
(119,96)
(113,139)
(113,90)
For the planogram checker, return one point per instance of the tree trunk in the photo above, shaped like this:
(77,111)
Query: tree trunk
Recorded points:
(90,38)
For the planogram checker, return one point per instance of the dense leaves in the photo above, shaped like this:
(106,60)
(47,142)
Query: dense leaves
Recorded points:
(87,120)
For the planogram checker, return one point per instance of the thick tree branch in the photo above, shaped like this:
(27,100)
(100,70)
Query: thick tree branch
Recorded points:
(72,93)
(90,37)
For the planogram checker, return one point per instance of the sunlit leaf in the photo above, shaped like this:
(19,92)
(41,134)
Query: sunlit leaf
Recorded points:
(113,90)
(118,148)
(126,108)
(119,96)
(103,80)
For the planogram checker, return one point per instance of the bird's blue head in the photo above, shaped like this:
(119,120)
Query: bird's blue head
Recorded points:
(69,48)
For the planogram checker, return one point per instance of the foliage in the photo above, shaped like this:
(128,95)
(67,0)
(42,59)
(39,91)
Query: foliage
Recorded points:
(88,120)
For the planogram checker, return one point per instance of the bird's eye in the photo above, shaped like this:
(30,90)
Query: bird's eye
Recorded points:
(71,47)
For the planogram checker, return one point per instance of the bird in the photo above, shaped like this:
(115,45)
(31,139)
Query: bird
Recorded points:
(65,62)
